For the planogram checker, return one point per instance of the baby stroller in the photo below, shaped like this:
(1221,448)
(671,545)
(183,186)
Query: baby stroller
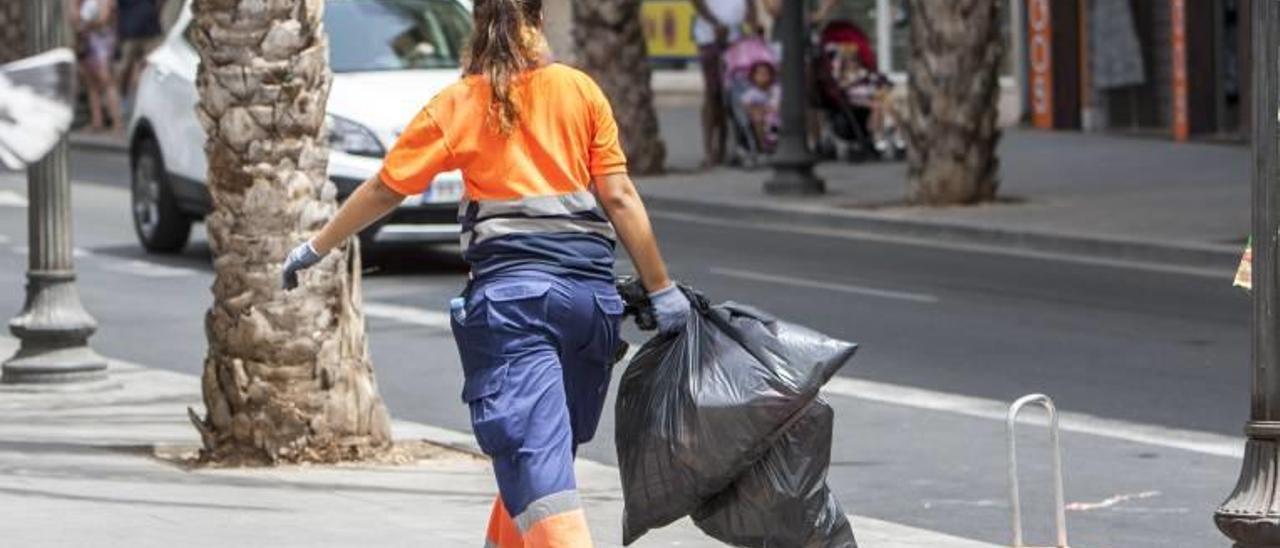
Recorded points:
(744,148)
(846,132)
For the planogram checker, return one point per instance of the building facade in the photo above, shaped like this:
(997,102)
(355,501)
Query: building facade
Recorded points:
(1174,67)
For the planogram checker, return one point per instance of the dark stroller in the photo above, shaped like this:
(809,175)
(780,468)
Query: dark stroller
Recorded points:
(846,132)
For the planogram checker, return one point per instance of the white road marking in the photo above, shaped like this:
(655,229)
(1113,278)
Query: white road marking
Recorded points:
(146,269)
(929,504)
(78,253)
(1203,272)
(407,314)
(1110,501)
(874,533)
(828,286)
(1206,443)
(9,198)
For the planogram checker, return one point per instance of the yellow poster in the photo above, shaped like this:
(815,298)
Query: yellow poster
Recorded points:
(668,29)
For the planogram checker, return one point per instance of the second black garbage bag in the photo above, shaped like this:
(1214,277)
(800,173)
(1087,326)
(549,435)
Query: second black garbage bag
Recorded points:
(696,411)
(783,499)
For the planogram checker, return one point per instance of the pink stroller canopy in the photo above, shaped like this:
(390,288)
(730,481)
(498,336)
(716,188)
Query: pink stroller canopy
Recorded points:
(746,53)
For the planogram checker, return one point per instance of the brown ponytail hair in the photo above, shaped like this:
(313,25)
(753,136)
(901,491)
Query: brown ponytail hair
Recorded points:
(506,42)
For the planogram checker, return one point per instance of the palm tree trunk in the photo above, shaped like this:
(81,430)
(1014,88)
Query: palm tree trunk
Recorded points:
(12,44)
(609,40)
(287,376)
(953,90)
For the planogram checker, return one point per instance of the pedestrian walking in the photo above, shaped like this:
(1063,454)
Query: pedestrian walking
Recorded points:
(94,23)
(547,197)
(719,24)
(140,32)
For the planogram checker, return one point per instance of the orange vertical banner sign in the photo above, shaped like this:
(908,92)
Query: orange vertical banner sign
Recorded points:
(1040,57)
(1181,92)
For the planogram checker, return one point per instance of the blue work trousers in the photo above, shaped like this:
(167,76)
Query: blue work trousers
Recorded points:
(537,350)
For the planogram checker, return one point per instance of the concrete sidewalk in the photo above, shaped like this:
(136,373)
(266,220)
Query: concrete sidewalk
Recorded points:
(81,469)
(1101,197)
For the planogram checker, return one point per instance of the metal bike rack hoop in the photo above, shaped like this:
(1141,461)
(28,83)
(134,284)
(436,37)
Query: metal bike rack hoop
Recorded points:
(1059,504)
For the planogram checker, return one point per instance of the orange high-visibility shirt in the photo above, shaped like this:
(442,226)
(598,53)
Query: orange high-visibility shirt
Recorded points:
(566,134)
(528,200)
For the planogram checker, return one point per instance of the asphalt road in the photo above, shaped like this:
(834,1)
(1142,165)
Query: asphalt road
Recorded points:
(1160,352)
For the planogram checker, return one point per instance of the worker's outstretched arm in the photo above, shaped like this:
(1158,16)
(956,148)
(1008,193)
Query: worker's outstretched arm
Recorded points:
(370,202)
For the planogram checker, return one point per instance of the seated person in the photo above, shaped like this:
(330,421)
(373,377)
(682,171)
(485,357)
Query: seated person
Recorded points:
(867,89)
(761,100)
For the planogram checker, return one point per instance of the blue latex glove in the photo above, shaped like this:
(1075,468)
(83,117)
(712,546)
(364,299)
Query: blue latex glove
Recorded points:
(670,308)
(301,258)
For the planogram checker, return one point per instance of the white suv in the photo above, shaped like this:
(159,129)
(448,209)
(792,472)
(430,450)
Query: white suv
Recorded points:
(388,57)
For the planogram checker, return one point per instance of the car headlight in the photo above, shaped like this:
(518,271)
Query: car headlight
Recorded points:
(352,138)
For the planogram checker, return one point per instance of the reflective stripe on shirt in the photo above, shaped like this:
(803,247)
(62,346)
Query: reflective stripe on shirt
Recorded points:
(567,233)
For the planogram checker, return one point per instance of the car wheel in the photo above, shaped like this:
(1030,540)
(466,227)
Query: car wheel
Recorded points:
(160,224)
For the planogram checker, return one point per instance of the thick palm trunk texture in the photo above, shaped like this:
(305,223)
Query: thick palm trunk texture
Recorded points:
(609,39)
(287,376)
(953,93)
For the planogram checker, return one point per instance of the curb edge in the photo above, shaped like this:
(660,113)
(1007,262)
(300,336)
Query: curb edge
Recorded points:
(1202,256)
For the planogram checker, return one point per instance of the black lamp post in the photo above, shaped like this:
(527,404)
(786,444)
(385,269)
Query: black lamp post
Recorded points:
(793,164)
(1251,515)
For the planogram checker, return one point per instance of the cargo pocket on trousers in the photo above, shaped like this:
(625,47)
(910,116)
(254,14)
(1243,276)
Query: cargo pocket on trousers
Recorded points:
(498,425)
(607,338)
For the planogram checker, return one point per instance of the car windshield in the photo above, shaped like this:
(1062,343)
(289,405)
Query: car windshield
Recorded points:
(374,35)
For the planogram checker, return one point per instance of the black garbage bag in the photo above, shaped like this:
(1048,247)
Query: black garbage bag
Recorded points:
(783,500)
(697,410)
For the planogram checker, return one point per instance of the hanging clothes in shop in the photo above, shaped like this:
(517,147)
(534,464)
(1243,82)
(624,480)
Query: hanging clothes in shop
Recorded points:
(1116,54)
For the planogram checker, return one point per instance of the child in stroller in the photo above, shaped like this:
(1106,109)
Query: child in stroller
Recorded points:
(762,99)
(859,101)
(753,96)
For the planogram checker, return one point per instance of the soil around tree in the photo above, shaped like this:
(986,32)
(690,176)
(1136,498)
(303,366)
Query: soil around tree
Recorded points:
(401,453)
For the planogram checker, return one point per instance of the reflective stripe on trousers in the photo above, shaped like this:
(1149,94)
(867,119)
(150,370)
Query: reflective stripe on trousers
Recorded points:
(560,523)
(536,351)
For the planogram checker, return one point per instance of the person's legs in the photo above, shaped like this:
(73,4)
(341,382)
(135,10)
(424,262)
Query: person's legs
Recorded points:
(101,47)
(89,78)
(591,341)
(759,115)
(134,55)
(713,122)
(110,91)
(515,389)
(503,532)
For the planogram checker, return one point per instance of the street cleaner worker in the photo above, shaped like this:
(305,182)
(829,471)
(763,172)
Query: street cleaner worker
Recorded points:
(547,197)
